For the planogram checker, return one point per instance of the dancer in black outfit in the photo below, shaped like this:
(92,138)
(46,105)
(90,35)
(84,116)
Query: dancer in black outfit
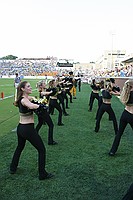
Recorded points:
(60,95)
(106,107)
(115,88)
(100,101)
(26,130)
(53,103)
(68,86)
(45,117)
(64,94)
(127,115)
(94,94)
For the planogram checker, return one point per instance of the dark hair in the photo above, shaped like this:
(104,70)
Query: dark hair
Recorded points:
(93,81)
(19,91)
(112,80)
(71,73)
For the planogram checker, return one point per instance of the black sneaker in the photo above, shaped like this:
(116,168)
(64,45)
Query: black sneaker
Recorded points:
(60,124)
(111,153)
(12,171)
(67,108)
(47,176)
(52,143)
(96,130)
(65,114)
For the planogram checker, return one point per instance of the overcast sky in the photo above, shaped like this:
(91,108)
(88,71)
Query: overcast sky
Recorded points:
(72,29)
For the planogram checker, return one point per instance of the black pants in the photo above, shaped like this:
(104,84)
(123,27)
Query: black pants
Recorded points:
(65,98)
(79,87)
(54,104)
(70,95)
(61,101)
(46,118)
(106,108)
(100,101)
(93,96)
(126,118)
(27,132)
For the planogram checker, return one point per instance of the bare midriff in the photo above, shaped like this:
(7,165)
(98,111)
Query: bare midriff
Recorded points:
(129,108)
(95,91)
(108,101)
(52,97)
(26,119)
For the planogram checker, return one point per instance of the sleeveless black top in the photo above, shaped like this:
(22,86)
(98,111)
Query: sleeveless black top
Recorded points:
(95,87)
(24,111)
(54,91)
(106,94)
(130,100)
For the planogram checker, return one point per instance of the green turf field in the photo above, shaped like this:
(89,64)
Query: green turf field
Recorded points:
(80,162)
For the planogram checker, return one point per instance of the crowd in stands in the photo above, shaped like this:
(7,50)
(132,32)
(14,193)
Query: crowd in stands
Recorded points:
(126,71)
(25,68)
(38,68)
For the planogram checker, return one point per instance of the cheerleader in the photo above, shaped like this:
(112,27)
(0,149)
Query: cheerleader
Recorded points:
(126,98)
(26,130)
(68,86)
(94,94)
(45,118)
(60,95)
(106,107)
(53,103)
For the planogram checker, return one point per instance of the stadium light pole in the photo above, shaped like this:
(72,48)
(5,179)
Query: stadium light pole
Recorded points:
(112,47)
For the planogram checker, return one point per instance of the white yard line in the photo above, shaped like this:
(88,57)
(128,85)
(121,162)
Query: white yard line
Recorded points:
(10,96)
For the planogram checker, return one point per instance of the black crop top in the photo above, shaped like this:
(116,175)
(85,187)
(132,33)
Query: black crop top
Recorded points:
(54,91)
(130,100)
(95,87)
(106,94)
(23,109)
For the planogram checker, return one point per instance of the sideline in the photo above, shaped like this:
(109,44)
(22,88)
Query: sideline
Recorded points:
(10,96)
(6,97)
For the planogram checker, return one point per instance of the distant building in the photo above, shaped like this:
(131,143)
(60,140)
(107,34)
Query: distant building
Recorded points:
(110,59)
(128,60)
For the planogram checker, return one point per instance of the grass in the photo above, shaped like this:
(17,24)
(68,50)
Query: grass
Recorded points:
(83,170)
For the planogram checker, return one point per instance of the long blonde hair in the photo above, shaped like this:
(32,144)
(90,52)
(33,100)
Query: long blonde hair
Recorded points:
(126,91)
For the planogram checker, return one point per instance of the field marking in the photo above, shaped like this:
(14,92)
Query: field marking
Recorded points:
(6,85)
(9,118)
(6,97)
(11,96)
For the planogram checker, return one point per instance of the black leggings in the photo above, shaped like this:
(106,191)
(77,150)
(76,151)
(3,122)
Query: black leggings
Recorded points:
(106,108)
(100,101)
(93,96)
(126,118)
(65,98)
(70,95)
(61,101)
(27,132)
(54,104)
(46,118)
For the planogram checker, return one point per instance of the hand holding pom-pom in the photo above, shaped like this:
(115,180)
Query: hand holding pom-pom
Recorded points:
(41,109)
